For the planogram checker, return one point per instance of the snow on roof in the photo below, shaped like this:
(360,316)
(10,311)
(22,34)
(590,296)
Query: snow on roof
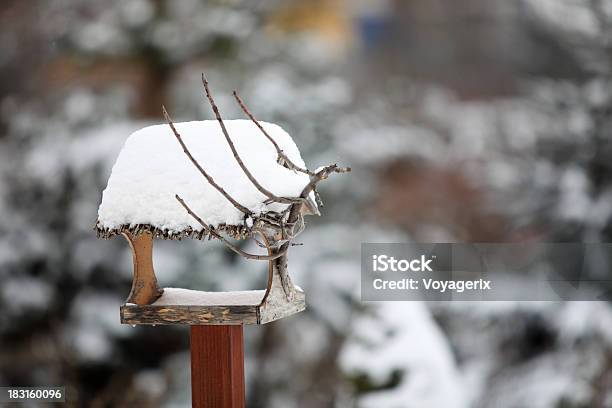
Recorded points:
(152,168)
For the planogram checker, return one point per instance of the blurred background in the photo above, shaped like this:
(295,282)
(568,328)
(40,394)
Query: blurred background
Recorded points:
(464,121)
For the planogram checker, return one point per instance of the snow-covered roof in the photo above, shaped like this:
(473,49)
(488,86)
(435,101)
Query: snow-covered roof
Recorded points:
(152,168)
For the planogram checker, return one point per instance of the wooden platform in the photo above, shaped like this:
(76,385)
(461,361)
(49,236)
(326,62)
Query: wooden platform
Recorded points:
(183,306)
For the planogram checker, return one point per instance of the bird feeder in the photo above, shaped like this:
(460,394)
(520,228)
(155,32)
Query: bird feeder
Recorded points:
(214,179)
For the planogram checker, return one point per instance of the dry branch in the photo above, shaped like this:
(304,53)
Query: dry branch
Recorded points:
(200,169)
(282,157)
(282,226)
(271,196)
(322,175)
(225,241)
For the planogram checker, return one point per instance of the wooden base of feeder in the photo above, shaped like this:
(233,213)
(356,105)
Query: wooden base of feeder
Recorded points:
(201,308)
(150,305)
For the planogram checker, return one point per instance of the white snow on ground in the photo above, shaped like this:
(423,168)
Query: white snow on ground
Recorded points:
(402,336)
(178,296)
(152,168)
(578,319)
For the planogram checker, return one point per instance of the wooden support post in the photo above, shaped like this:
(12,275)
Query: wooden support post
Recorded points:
(217,366)
(144,284)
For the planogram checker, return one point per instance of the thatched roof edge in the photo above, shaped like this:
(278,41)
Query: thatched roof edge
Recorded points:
(234,231)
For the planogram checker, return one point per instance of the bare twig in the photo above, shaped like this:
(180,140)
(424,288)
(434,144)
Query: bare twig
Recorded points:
(290,200)
(225,241)
(295,217)
(287,223)
(200,169)
(322,175)
(282,157)
(246,171)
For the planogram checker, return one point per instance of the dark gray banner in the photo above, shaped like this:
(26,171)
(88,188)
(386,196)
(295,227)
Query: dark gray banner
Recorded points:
(468,272)
(24,394)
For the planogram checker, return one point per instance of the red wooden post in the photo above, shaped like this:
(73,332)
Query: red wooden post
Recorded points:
(217,366)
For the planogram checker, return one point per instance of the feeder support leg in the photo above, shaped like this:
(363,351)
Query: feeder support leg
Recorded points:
(217,366)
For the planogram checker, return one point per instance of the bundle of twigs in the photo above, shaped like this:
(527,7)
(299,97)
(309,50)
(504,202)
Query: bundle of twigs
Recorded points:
(279,229)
